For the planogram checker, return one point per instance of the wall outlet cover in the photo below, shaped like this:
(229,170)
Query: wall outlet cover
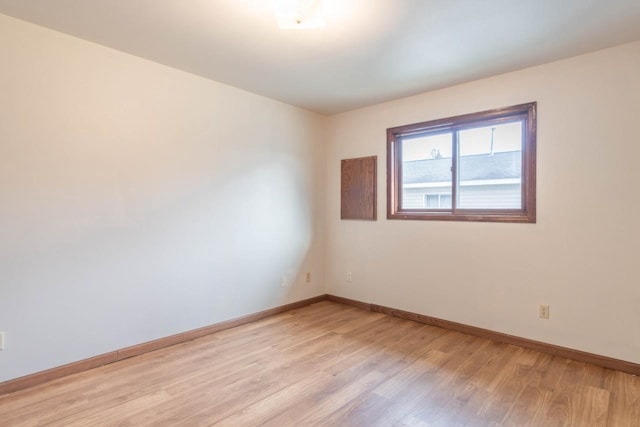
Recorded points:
(543,311)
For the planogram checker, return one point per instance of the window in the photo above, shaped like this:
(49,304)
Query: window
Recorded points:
(476,167)
(437,201)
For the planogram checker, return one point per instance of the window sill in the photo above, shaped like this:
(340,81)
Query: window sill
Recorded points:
(475,216)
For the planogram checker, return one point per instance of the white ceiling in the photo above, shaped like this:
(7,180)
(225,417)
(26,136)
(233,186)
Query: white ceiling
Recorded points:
(370,51)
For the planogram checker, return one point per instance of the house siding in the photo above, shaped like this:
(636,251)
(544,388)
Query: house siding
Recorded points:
(494,196)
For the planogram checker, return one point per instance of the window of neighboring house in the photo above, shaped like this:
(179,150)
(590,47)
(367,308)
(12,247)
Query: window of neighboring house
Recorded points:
(476,167)
(437,201)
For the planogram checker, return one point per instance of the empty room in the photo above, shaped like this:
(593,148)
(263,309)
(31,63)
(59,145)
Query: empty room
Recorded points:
(319,213)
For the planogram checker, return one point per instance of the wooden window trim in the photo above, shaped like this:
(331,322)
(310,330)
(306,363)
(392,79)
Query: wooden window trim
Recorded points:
(525,215)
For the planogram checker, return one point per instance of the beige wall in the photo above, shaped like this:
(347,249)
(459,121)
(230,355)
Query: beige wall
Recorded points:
(138,201)
(581,257)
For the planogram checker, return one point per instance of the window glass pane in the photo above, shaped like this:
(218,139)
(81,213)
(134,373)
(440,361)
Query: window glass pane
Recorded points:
(431,201)
(437,201)
(445,201)
(426,168)
(490,167)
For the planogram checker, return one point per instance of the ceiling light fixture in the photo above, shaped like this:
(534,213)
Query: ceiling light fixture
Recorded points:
(299,14)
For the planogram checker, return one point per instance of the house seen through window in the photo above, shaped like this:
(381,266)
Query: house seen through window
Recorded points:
(475,167)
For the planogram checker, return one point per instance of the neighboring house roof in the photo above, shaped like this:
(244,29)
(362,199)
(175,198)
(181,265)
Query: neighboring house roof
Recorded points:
(502,165)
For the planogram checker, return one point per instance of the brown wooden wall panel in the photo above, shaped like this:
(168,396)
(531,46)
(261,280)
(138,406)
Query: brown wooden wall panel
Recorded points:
(358,188)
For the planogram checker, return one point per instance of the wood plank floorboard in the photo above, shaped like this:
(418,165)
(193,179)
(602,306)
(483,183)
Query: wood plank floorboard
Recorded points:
(329,364)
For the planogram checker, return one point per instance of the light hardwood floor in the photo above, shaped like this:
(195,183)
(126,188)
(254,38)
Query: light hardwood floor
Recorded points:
(330,364)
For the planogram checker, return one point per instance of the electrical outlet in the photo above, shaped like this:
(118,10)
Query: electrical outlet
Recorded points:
(283,282)
(2,340)
(349,276)
(543,311)
(308,278)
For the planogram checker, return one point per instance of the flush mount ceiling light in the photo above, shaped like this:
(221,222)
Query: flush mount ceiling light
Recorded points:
(299,14)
